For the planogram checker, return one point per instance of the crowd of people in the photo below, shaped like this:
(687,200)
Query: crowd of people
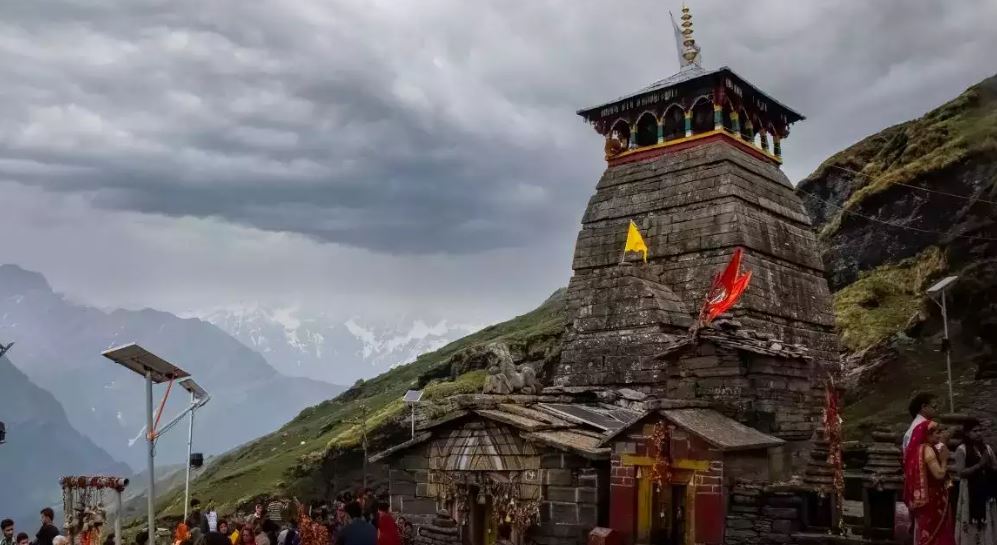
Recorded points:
(48,533)
(958,508)
(359,520)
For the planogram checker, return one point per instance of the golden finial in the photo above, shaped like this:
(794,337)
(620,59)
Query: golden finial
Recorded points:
(689,50)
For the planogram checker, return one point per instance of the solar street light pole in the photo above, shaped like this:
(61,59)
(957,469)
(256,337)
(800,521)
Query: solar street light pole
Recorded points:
(939,288)
(151,442)
(190,444)
(948,349)
(155,370)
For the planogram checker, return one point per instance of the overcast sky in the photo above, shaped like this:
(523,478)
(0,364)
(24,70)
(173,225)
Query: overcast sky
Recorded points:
(376,157)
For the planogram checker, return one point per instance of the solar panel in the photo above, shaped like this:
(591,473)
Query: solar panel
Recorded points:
(413,396)
(141,360)
(194,388)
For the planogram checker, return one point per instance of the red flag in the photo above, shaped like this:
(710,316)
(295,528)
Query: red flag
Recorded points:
(832,432)
(726,290)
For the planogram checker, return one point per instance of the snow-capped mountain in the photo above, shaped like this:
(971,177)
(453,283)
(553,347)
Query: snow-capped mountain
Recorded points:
(59,345)
(314,345)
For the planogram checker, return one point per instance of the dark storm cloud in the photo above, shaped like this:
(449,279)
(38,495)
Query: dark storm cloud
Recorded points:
(429,126)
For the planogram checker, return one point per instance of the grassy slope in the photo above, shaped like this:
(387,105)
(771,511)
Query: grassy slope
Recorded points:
(922,368)
(963,129)
(880,303)
(284,460)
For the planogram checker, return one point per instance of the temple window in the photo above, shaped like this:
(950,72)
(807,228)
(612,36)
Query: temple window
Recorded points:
(647,130)
(747,127)
(621,132)
(702,116)
(729,118)
(674,122)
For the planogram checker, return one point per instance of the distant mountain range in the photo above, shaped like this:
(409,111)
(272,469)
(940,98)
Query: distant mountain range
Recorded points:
(41,447)
(59,347)
(302,344)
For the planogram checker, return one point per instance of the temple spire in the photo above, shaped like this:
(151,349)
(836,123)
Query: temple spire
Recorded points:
(690,53)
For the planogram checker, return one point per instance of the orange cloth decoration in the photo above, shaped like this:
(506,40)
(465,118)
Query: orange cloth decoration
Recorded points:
(726,290)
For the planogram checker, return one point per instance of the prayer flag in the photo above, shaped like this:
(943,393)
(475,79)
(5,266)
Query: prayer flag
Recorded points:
(635,242)
(726,290)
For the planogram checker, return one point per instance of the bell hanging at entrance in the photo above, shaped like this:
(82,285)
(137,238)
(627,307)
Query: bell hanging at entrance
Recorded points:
(196,459)
(481,499)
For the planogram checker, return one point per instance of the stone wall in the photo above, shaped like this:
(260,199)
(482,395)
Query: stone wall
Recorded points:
(778,396)
(759,517)
(570,495)
(694,207)
(571,500)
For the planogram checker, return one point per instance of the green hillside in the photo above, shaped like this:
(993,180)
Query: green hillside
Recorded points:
(896,212)
(289,461)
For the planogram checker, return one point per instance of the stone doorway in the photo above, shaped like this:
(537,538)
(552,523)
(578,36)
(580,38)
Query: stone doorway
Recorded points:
(481,527)
(664,513)
(668,524)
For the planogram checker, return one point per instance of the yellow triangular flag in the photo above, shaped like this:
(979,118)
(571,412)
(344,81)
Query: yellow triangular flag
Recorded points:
(635,242)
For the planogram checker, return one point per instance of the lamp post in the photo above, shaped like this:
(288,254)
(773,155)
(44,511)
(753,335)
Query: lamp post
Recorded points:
(3,427)
(412,397)
(156,371)
(939,289)
(198,398)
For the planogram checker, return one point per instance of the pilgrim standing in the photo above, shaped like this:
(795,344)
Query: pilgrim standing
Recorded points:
(976,510)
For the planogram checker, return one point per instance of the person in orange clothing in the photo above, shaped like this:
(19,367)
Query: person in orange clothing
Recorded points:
(181,534)
(387,530)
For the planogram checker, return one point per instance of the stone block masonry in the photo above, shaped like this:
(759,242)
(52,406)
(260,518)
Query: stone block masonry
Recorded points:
(694,207)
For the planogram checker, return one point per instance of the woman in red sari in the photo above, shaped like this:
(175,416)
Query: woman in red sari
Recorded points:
(925,486)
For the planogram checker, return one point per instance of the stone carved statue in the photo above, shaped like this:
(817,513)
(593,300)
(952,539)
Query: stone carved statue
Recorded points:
(504,376)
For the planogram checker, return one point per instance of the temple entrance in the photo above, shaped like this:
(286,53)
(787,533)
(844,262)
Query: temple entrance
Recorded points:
(669,523)
(481,528)
(662,513)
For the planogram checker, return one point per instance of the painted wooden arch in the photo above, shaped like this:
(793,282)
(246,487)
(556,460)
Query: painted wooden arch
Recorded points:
(647,129)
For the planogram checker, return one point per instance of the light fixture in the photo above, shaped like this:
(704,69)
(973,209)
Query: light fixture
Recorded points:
(939,289)
(412,397)
(3,433)
(155,370)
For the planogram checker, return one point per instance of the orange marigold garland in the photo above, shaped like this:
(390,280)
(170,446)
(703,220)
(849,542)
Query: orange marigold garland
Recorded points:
(660,449)
(312,533)
(832,431)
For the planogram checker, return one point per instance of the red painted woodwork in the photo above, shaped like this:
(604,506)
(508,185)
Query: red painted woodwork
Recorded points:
(710,518)
(623,510)
(653,152)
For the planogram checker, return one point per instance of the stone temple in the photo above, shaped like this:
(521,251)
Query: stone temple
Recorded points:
(650,430)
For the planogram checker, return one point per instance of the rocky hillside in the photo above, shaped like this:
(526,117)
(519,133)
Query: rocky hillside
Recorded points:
(42,445)
(320,450)
(896,212)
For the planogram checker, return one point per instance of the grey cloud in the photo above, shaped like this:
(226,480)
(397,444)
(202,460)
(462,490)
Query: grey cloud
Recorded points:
(422,127)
